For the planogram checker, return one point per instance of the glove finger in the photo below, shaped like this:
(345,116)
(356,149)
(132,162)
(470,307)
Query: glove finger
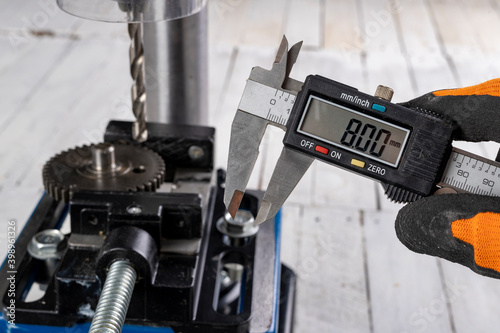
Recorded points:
(474,109)
(462,228)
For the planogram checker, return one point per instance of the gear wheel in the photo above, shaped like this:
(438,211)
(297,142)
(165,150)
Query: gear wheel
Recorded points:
(103,167)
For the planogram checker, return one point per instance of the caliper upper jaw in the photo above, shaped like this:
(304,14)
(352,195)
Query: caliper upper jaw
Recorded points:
(248,130)
(279,76)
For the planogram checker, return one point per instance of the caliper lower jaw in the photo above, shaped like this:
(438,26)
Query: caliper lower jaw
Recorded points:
(290,168)
(247,132)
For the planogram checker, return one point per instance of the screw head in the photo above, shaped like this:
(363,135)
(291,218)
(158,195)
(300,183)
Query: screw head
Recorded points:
(134,210)
(196,153)
(46,245)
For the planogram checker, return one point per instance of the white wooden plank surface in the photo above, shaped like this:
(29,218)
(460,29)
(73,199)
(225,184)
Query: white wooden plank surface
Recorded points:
(484,23)
(23,78)
(296,29)
(39,15)
(221,60)
(342,29)
(228,21)
(265,22)
(109,101)
(405,289)
(385,64)
(50,106)
(473,299)
(429,67)
(455,28)
(324,283)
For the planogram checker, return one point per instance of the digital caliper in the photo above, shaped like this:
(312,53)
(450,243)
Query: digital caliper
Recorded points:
(408,150)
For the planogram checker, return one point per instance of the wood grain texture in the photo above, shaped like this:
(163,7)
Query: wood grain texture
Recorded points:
(405,288)
(325,283)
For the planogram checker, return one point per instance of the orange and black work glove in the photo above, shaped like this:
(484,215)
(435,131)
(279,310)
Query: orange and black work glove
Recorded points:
(463,228)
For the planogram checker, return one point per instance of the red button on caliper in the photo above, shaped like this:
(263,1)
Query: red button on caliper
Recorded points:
(322,150)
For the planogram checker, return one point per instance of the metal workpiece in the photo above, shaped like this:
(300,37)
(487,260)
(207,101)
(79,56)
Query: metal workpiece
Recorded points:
(115,298)
(238,229)
(278,91)
(126,10)
(177,70)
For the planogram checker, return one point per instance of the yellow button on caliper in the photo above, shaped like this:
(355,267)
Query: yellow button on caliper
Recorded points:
(358,163)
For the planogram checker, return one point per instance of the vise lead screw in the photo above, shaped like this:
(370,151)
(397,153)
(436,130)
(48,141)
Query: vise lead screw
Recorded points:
(115,298)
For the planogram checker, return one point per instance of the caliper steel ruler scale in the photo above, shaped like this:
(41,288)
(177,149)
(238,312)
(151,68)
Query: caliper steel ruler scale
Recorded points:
(266,102)
(469,173)
(409,151)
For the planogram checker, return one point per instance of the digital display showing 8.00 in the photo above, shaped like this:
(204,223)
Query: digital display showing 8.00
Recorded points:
(354,131)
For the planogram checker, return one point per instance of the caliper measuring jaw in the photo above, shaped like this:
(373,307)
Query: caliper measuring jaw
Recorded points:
(268,99)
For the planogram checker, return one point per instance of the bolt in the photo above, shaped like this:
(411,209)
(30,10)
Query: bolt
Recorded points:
(234,271)
(45,245)
(115,298)
(242,227)
(134,210)
(231,273)
(196,153)
(225,280)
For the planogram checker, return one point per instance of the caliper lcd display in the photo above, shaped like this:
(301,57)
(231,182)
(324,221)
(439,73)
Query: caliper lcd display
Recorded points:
(354,131)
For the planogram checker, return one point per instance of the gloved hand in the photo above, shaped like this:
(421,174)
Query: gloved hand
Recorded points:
(463,228)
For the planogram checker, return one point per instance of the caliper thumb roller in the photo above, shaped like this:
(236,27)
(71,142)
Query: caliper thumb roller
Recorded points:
(462,228)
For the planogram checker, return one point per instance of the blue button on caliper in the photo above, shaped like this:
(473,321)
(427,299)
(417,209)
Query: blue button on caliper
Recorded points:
(378,107)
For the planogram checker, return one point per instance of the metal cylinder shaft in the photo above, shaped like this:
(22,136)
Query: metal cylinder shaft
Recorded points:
(115,298)
(103,157)
(176,70)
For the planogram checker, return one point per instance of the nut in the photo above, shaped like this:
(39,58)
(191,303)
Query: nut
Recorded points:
(46,245)
(241,226)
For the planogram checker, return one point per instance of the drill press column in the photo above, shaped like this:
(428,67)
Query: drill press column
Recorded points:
(176,70)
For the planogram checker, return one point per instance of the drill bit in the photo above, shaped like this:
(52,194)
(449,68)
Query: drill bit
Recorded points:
(139,131)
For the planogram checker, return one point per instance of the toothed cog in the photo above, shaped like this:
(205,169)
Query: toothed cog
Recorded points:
(103,167)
